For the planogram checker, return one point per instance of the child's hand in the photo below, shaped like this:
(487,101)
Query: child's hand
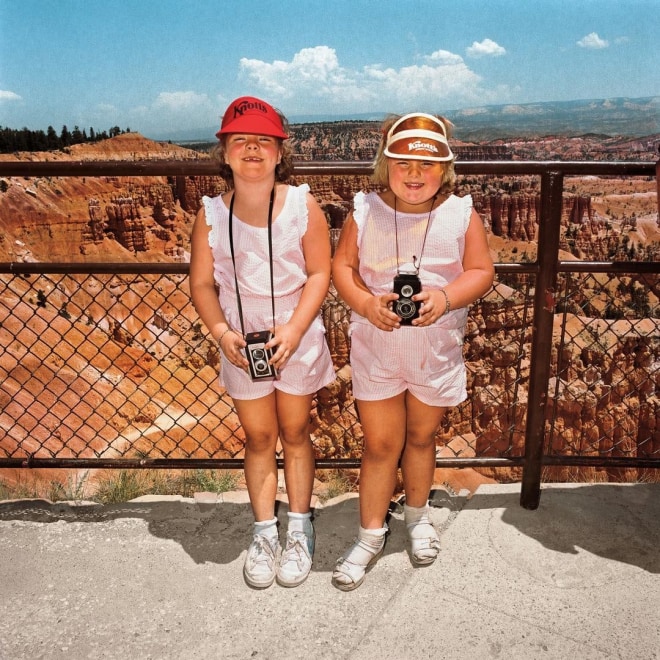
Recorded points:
(285,342)
(232,345)
(433,306)
(378,311)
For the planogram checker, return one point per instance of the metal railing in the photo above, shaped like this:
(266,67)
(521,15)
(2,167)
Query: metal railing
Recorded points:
(105,365)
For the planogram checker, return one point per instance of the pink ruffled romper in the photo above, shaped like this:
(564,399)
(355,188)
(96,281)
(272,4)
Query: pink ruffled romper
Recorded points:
(426,361)
(310,368)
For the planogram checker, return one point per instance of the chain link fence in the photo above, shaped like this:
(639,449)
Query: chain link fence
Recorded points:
(115,366)
(108,365)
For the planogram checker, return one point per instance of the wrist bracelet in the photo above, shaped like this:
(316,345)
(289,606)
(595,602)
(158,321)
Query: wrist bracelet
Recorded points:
(223,334)
(447,303)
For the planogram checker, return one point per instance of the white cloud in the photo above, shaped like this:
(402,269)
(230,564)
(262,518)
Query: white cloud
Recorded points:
(485,48)
(178,101)
(442,57)
(309,67)
(593,42)
(106,108)
(9,96)
(174,111)
(316,77)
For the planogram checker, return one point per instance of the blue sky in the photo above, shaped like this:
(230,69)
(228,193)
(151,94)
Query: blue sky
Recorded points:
(165,66)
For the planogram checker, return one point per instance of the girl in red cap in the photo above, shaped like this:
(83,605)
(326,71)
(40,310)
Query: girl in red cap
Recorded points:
(409,261)
(259,272)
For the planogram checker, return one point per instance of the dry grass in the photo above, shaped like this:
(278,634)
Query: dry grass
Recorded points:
(122,485)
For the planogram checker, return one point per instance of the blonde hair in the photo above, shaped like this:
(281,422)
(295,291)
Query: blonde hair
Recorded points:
(283,170)
(380,172)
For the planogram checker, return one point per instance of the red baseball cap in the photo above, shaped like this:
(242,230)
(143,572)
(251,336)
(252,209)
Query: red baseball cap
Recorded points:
(248,114)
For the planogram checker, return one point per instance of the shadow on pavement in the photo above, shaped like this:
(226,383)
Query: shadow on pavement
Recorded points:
(614,521)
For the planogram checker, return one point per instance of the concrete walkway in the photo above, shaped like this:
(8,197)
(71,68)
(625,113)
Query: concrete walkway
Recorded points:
(578,578)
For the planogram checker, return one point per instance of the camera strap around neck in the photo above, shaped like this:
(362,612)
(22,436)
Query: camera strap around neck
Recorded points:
(270,255)
(417,263)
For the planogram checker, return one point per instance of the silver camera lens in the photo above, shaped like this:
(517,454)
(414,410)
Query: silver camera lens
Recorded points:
(260,366)
(407,291)
(405,309)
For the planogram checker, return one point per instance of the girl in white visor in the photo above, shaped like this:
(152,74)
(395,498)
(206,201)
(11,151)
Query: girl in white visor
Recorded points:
(409,262)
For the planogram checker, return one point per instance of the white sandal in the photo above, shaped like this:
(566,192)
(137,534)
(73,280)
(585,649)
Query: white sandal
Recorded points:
(353,565)
(424,543)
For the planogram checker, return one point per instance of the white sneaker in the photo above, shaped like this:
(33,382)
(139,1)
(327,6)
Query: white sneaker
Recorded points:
(259,568)
(296,560)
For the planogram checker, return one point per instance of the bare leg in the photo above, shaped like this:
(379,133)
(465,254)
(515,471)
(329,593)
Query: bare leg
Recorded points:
(417,467)
(399,428)
(258,418)
(418,459)
(384,426)
(293,415)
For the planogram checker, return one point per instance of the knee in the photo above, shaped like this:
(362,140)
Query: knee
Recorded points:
(382,450)
(262,441)
(294,436)
(420,442)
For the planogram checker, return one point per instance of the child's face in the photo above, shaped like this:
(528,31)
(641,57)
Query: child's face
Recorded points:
(415,181)
(252,155)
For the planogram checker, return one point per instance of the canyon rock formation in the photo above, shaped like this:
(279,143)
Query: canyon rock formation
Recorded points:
(127,356)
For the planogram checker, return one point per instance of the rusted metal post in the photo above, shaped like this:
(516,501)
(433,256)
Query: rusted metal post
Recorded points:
(552,183)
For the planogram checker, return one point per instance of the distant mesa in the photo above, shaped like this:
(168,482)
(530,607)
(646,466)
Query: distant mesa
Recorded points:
(631,117)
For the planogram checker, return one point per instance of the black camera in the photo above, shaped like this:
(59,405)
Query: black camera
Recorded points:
(406,285)
(258,355)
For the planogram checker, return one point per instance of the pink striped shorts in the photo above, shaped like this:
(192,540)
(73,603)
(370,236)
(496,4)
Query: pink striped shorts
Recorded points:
(308,370)
(426,361)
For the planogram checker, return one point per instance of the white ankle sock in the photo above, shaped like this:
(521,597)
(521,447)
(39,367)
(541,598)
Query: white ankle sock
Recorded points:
(267,528)
(417,521)
(372,537)
(301,522)
(415,514)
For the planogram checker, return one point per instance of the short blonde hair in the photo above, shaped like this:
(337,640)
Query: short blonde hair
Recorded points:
(380,172)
